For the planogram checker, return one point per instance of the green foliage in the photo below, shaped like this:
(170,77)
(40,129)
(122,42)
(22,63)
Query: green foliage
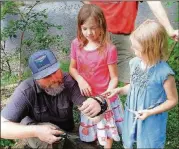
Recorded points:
(65,66)
(38,27)
(174,60)
(169,3)
(8,8)
(76,115)
(5,142)
(6,78)
(31,23)
(172,141)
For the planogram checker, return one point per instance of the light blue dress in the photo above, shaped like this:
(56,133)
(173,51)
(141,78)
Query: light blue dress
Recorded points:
(146,91)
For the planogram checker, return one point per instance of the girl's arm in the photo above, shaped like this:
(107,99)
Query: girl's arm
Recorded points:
(124,90)
(172,99)
(119,90)
(73,71)
(112,90)
(85,89)
(113,75)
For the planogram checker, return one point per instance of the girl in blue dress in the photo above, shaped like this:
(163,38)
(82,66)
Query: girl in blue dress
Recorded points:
(152,89)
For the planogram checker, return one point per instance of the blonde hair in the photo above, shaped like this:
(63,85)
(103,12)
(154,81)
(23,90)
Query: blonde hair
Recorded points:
(92,11)
(153,38)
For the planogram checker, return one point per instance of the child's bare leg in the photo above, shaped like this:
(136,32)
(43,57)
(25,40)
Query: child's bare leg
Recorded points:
(109,144)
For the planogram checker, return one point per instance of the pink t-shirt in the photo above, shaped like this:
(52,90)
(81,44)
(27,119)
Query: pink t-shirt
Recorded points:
(93,66)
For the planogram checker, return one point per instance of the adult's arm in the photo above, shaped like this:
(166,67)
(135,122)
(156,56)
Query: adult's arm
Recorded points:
(15,111)
(13,130)
(85,2)
(159,12)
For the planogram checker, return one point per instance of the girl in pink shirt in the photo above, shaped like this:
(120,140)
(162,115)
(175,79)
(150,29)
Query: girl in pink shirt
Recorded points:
(94,66)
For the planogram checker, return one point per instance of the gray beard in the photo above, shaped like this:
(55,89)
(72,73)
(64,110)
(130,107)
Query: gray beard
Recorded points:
(55,91)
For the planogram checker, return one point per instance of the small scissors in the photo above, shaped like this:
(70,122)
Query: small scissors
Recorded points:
(134,112)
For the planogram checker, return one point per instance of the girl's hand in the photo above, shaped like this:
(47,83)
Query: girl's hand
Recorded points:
(144,114)
(111,93)
(85,88)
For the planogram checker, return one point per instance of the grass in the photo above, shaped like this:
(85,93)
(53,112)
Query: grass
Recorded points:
(64,65)
(6,79)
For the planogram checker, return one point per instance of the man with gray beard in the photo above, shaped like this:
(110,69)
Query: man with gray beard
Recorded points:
(41,108)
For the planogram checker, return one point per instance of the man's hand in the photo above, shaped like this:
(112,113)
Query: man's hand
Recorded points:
(47,133)
(174,35)
(90,107)
(159,11)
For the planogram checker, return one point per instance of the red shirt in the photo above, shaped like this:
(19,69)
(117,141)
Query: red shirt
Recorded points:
(120,16)
(93,67)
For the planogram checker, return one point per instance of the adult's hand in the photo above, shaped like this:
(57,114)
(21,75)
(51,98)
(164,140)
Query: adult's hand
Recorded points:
(90,107)
(174,35)
(47,133)
(159,11)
